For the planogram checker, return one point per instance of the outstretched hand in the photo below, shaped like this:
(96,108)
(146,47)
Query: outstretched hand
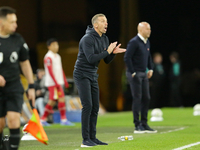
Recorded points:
(111,47)
(118,50)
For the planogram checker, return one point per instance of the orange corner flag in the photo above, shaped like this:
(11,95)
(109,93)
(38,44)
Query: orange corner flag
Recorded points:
(35,128)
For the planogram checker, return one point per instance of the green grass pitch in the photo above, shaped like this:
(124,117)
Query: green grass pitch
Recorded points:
(179,128)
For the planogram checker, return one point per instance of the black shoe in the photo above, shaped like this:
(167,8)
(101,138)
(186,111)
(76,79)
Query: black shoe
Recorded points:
(98,142)
(148,129)
(139,129)
(88,143)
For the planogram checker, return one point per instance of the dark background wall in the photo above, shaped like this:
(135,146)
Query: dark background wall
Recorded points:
(175,26)
(174,23)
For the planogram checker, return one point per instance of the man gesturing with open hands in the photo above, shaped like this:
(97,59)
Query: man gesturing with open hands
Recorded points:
(93,47)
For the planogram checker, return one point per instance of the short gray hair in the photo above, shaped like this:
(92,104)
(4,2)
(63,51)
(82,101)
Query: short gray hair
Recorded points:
(94,19)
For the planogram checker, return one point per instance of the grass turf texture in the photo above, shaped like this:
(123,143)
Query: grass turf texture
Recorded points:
(179,128)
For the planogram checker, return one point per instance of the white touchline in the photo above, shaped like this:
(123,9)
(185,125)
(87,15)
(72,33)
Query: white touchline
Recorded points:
(161,127)
(187,146)
(173,130)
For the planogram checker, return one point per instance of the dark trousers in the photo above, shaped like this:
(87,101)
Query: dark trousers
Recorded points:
(88,90)
(141,97)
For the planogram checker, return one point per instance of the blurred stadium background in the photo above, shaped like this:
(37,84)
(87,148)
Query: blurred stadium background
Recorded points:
(174,23)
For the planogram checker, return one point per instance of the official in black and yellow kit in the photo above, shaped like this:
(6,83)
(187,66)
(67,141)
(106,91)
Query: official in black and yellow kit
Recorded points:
(13,57)
(93,47)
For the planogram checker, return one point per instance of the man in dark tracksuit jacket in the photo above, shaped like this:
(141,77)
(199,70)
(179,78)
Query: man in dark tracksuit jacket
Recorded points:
(138,59)
(93,47)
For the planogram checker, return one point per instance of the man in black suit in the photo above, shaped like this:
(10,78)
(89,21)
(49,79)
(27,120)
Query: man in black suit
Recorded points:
(138,59)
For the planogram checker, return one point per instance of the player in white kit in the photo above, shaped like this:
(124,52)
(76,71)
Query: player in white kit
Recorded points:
(54,80)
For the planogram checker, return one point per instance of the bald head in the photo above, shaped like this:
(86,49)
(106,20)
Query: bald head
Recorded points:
(144,29)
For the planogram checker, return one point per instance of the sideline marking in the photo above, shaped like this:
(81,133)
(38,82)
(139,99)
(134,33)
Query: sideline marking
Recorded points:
(182,128)
(161,127)
(187,146)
